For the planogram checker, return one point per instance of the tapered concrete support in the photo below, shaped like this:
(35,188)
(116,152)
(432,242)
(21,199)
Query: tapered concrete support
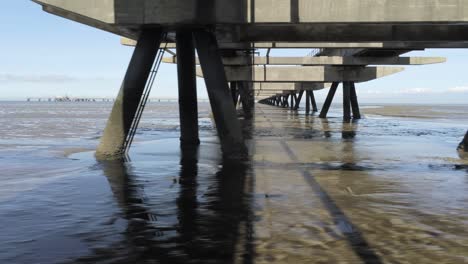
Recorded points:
(291,105)
(224,112)
(464,144)
(188,108)
(308,102)
(298,101)
(354,102)
(234,93)
(329,100)
(314,103)
(286,101)
(346,101)
(127,101)
(247,98)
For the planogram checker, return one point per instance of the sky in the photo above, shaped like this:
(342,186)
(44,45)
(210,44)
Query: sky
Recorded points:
(43,55)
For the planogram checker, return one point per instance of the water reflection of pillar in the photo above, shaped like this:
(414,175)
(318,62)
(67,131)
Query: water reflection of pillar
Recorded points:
(326,128)
(187,203)
(140,234)
(349,130)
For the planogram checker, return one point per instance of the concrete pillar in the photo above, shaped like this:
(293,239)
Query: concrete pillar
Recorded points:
(314,103)
(247,98)
(298,100)
(224,112)
(234,93)
(354,102)
(129,97)
(307,102)
(292,101)
(188,108)
(464,144)
(329,100)
(346,101)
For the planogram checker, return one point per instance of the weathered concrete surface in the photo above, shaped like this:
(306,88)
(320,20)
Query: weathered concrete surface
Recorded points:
(324,60)
(307,73)
(358,11)
(265,11)
(139,12)
(127,101)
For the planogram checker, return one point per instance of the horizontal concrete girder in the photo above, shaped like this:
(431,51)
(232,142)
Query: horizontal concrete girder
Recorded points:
(349,32)
(324,60)
(332,45)
(285,20)
(306,73)
(161,12)
(273,87)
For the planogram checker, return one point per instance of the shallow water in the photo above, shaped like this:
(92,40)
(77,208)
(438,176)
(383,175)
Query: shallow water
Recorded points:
(381,190)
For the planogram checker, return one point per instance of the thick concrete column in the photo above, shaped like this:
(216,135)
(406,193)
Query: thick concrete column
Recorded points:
(307,102)
(329,100)
(129,97)
(224,112)
(346,101)
(354,102)
(188,108)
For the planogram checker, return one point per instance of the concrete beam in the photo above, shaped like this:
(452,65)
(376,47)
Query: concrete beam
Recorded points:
(348,32)
(332,45)
(324,60)
(228,12)
(298,86)
(306,73)
(313,21)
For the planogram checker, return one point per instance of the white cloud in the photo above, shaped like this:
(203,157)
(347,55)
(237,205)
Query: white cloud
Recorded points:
(416,91)
(458,89)
(36,78)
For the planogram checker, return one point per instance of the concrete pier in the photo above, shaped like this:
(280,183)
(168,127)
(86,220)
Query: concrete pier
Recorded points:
(130,94)
(188,108)
(350,38)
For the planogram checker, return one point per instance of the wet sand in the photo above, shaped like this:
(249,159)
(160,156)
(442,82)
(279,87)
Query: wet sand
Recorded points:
(449,112)
(380,190)
(350,193)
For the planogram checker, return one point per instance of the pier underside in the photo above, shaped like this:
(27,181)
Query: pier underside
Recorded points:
(352,37)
